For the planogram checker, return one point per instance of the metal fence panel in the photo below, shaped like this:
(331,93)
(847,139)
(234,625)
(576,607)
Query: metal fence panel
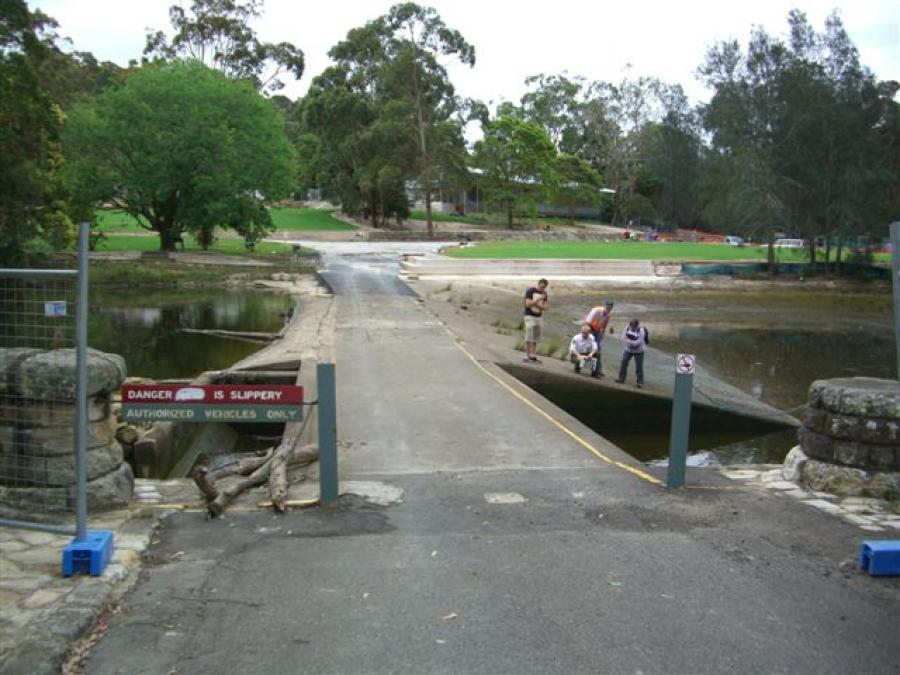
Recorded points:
(37,458)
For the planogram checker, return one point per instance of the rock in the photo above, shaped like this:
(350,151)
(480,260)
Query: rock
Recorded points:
(793,464)
(850,453)
(59,470)
(849,427)
(113,490)
(49,442)
(857,396)
(9,362)
(127,434)
(815,445)
(849,481)
(51,375)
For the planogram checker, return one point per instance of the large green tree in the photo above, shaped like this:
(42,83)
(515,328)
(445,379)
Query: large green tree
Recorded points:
(182,148)
(517,160)
(808,124)
(31,198)
(393,67)
(218,33)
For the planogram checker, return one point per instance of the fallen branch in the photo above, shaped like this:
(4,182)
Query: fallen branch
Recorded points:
(201,478)
(278,483)
(243,466)
(285,455)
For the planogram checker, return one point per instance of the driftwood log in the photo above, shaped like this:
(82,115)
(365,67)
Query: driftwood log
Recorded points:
(272,466)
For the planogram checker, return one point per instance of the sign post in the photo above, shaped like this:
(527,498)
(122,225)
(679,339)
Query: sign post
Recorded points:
(685,364)
(328,463)
(895,269)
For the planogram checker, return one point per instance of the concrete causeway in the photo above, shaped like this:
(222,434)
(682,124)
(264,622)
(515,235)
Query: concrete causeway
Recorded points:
(490,532)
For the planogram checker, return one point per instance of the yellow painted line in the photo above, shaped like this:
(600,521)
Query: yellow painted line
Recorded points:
(601,456)
(299,503)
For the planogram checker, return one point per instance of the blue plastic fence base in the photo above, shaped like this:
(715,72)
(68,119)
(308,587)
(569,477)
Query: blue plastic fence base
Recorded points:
(880,558)
(89,556)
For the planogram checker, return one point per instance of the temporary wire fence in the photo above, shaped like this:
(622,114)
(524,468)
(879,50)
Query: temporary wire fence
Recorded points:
(37,414)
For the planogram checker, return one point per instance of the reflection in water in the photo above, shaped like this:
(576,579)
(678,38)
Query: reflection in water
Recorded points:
(777,365)
(145,328)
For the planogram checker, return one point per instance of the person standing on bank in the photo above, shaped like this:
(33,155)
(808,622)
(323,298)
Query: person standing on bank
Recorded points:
(535,304)
(598,320)
(635,338)
(583,351)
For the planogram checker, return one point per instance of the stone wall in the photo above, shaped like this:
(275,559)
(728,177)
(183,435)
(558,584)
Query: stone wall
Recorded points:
(37,429)
(851,437)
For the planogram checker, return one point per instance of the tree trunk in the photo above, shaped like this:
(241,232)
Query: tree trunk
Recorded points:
(828,253)
(840,251)
(428,212)
(166,239)
(771,256)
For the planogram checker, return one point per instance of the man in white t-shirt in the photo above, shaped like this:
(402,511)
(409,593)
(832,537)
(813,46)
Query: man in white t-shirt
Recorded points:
(583,351)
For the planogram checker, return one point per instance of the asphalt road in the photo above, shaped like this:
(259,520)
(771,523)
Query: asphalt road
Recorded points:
(513,550)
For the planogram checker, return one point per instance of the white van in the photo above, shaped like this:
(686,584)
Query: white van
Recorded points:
(790,243)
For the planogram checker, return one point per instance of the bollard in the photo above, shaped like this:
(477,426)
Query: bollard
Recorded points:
(327,405)
(681,419)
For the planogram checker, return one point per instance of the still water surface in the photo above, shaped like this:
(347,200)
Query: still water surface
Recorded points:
(145,327)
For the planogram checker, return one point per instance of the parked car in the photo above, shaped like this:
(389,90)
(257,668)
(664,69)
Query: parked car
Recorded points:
(734,241)
(791,243)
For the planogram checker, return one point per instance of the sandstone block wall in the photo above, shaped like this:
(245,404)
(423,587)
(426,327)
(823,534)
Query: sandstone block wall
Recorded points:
(37,432)
(851,434)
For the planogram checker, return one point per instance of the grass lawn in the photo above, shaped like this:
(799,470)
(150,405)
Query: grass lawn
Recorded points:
(229,246)
(109,221)
(307,219)
(631,250)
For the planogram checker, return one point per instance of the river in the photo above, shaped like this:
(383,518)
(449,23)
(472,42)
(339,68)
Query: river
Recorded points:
(146,327)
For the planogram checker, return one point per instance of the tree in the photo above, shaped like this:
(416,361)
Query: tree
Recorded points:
(808,122)
(577,184)
(217,33)
(31,196)
(516,157)
(181,148)
(555,104)
(419,37)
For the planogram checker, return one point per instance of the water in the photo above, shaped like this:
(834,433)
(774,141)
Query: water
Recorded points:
(145,327)
(778,365)
(771,345)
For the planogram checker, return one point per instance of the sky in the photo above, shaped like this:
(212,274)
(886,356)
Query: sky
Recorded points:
(595,39)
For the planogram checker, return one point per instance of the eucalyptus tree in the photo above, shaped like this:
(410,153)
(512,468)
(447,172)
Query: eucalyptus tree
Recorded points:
(404,117)
(181,148)
(516,158)
(218,34)
(416,38)
(555,102)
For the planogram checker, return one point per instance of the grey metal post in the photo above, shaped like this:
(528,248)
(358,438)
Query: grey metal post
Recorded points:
(681,424)
(895,268)
(81,386)
(327,404)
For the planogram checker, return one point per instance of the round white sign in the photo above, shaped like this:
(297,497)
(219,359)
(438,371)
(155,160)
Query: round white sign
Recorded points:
(685,364)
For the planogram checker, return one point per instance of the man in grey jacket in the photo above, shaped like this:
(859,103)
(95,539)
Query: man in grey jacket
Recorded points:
(635,339)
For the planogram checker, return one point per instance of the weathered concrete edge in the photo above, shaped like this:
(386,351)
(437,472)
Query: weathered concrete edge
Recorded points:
(492,362)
